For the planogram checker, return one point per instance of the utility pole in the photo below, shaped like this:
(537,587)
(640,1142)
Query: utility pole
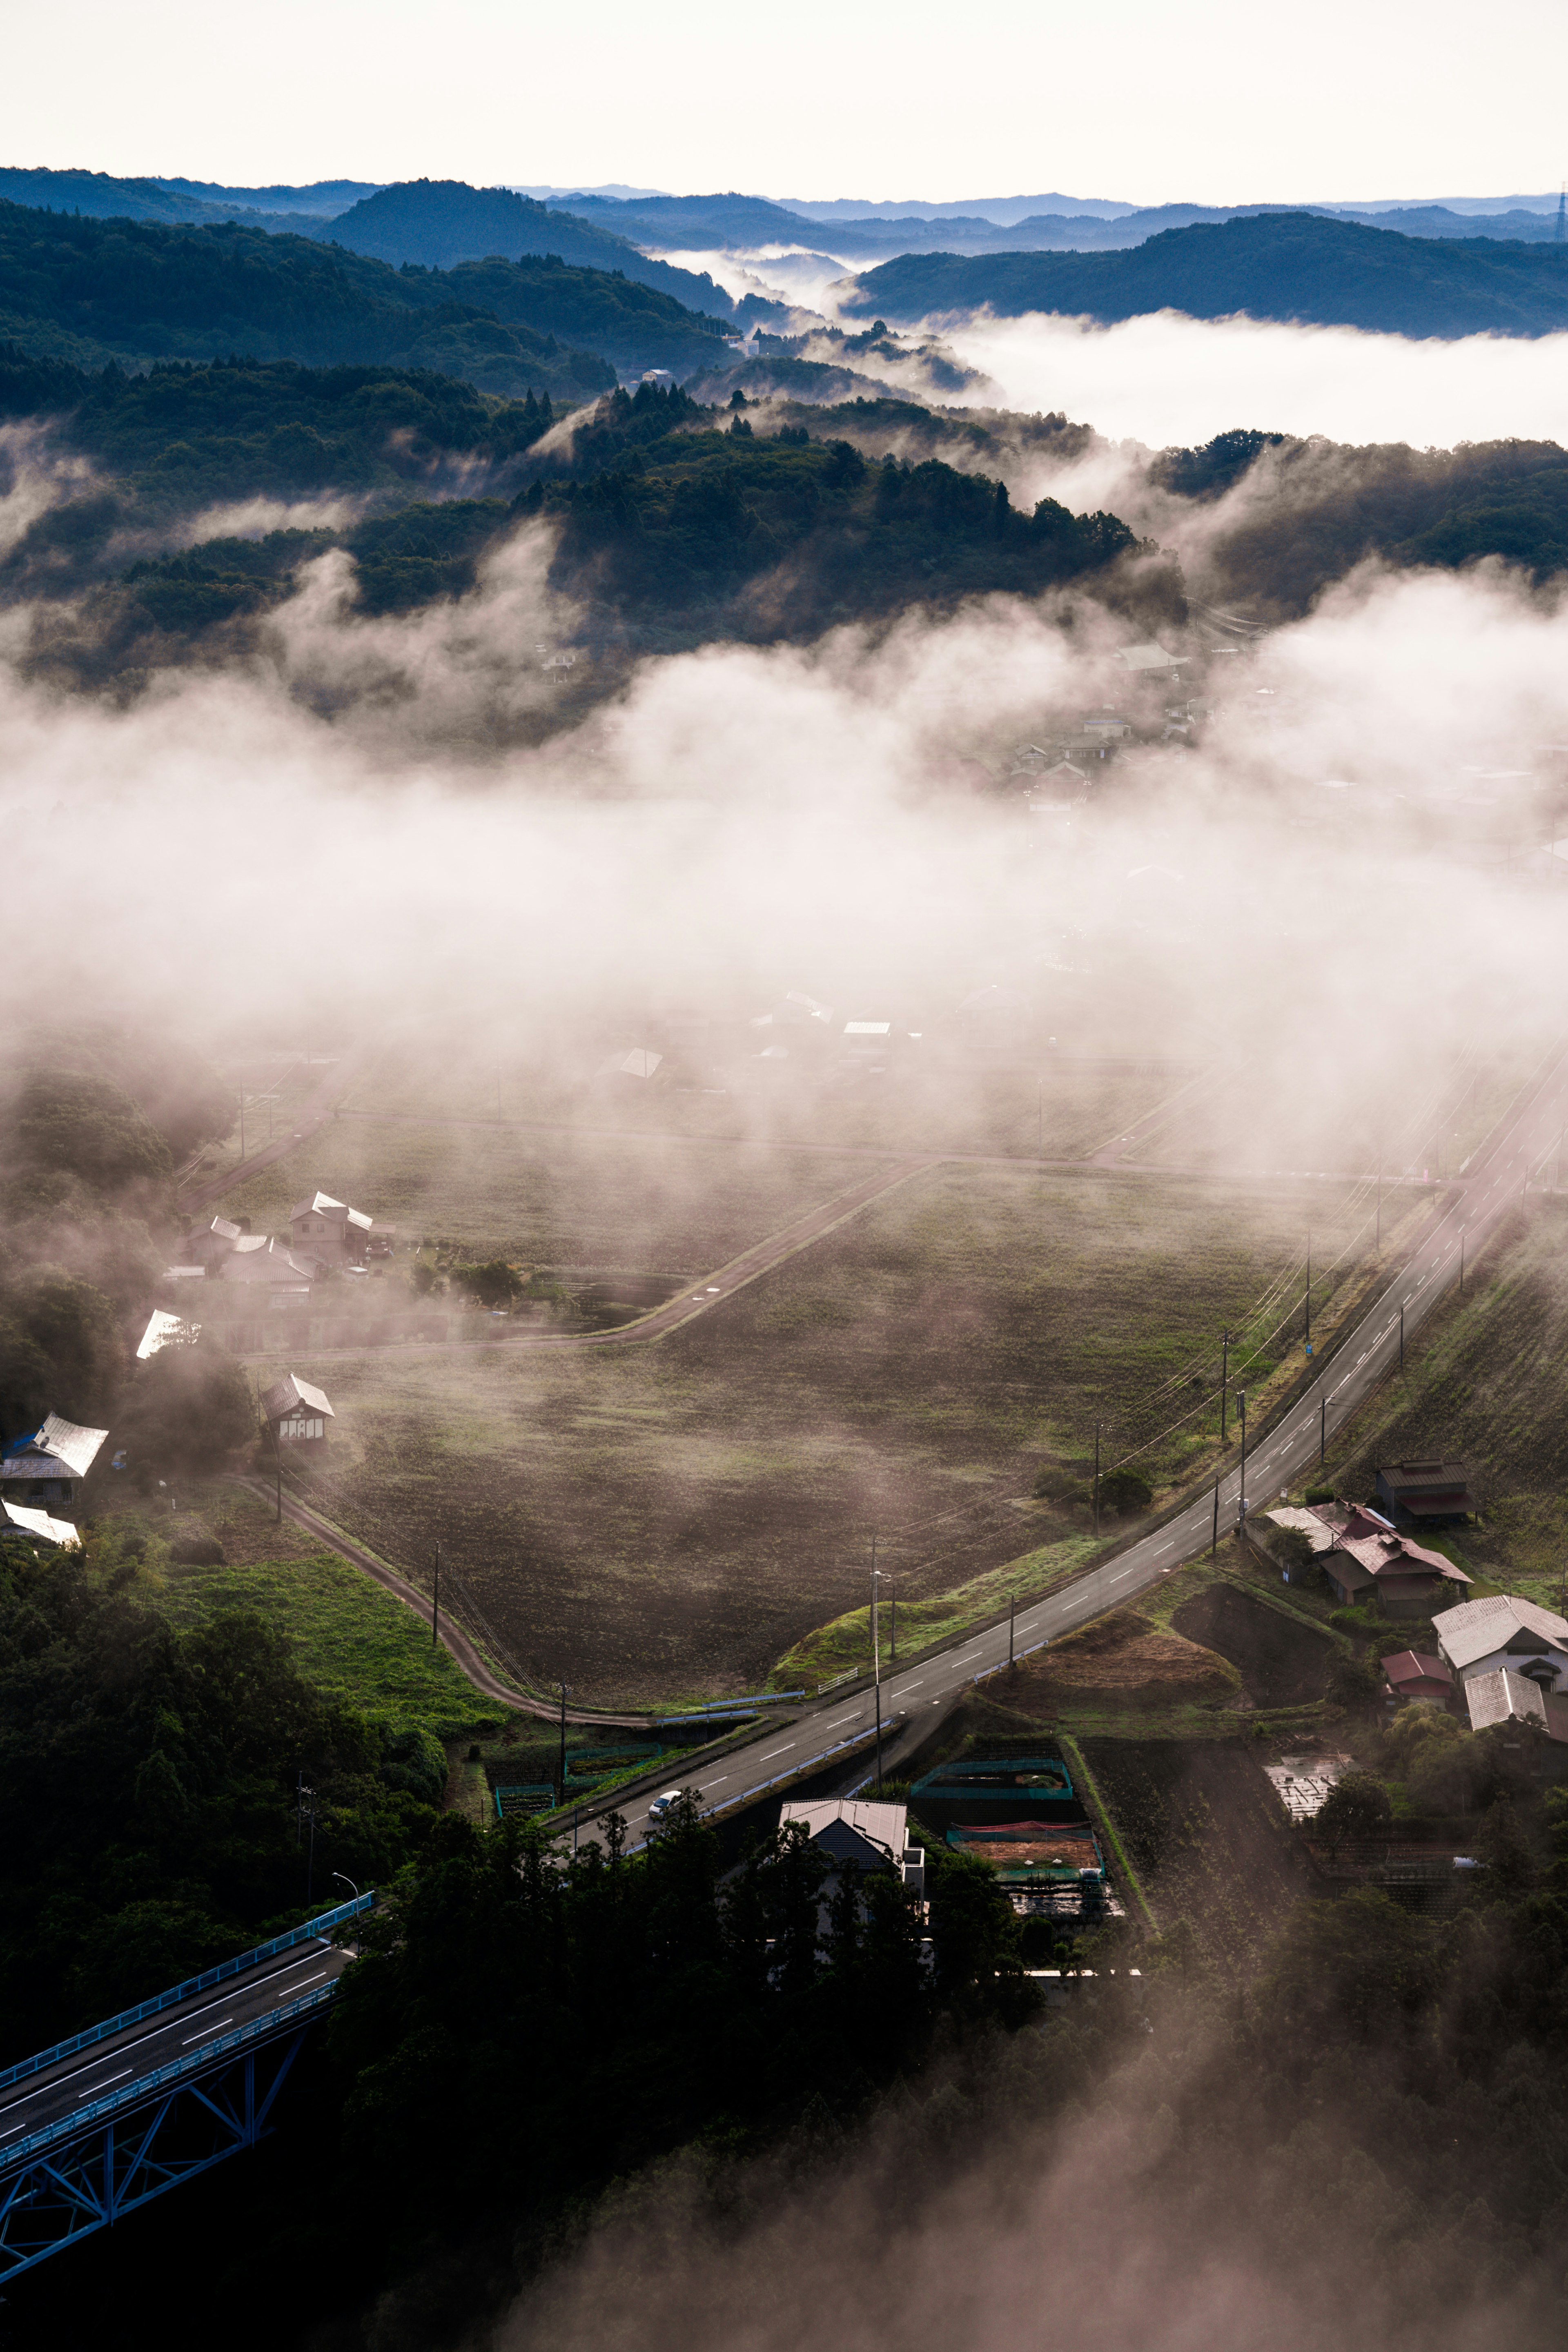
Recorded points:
(1461,1261)
(1097,1480)
(1012,1624)
(1309,1290)
(1402,1335)
(1378,1252)
(1241,1497)
(1042,1111)
(1224,1380)
(564,1696)
(1213,1540)
(436,1602)
(894,1628)
(242,1114)
(1322,1432)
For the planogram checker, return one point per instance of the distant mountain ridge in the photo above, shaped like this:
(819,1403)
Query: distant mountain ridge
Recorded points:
(1294,266)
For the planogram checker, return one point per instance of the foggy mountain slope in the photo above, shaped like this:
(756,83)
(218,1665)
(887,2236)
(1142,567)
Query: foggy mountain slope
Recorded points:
(99,196)
(92,290)
(439,223)
(1292,267)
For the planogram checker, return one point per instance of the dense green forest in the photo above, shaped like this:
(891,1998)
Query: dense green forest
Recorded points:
(441,223)
(1290,265)
(1330,508)
(138,291)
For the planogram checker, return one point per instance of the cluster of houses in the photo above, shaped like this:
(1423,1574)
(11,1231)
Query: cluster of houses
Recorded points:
(1497,1660)
(326,1238)
(1366,1553)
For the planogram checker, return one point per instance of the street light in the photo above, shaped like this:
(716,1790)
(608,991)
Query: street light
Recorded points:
(353,1890)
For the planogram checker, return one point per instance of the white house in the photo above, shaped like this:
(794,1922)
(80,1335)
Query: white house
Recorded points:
(1505,1634)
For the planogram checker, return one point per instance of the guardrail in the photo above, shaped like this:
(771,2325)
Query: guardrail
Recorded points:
(254,2029)
(850,1675)
(806,1764)
(1002,1664)
(177,1993)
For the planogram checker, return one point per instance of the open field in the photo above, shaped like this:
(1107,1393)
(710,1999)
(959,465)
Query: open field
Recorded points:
(672,1520)
(349,1637)
(1052,1108)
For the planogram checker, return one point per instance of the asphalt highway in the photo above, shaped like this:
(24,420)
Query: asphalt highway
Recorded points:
(1361,1361)
(115,2064)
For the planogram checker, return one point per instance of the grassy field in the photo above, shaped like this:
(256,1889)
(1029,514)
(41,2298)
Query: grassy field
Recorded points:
(672,1520)
(349,1636)
(639,1203)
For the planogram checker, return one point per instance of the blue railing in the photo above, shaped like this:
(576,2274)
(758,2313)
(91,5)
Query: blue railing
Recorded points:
(313,1927)
(255,2028)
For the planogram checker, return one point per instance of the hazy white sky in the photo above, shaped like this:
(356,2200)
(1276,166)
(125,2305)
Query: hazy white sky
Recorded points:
(1215,100)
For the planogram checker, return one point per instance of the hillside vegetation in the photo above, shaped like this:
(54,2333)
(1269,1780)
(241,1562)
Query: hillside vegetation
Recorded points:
(137,292)
(1287,265)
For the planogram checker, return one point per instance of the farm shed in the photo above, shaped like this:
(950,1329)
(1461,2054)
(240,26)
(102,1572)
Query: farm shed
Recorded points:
(1503,1632)
(46,1469)
(36,1525)
(1431,1493)
(1414,1674)
(296,1414)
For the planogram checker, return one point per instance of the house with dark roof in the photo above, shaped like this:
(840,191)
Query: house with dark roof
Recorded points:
(1365,1556)
(1429,1494)
(1415,1674)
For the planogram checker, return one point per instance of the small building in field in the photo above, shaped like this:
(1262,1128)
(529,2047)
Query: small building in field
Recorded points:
(47,1470)
(36,1526)
(323,1228)
(258,1258)
(296,1414)
(1504,1633)
(1431,1494)
(1415,1674)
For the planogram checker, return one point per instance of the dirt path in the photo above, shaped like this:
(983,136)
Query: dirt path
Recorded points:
(451,1637)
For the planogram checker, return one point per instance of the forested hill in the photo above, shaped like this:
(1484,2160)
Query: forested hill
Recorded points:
(441,223)
(1285,266)
(88,292)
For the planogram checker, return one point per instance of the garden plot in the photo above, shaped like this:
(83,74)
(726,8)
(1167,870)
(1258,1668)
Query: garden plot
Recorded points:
(1280,1662)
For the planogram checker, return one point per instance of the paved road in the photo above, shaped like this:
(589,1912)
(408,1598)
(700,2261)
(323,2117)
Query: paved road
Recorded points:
(114,2065)
(1365,1359)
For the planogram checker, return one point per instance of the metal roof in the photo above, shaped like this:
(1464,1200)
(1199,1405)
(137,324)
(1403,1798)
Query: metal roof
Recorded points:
(64,1442)
(318,1205)
(1414,1665)
(1503,1698)
(291,1394)
(882,1826)
(39,1525)
(161,1329)
(1476,1627)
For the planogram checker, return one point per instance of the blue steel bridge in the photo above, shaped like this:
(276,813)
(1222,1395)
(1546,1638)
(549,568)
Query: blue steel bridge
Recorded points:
(112,2119)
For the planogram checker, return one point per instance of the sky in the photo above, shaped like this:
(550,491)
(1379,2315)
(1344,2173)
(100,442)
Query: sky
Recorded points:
(1214,100)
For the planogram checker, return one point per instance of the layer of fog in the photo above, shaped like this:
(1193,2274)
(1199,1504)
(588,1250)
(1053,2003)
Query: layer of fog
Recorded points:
(339,818)
(1170,381)
(1150,2210)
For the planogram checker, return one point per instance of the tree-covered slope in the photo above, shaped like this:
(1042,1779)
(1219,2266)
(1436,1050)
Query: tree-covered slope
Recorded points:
(1287,265)
(90,291)
(442,222)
